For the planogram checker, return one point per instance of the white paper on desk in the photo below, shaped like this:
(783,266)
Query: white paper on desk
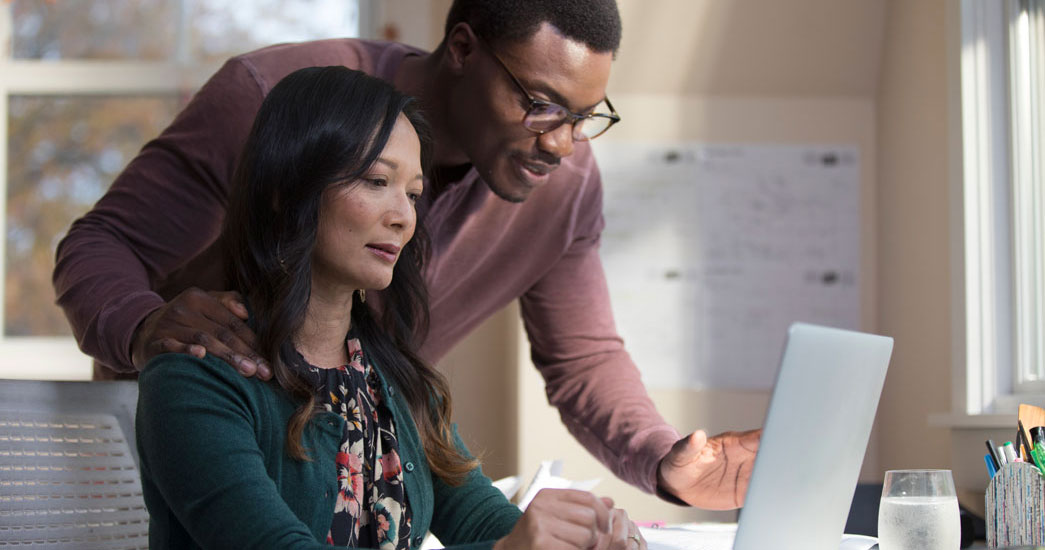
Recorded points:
(549,476)
(508,486)
(720,536)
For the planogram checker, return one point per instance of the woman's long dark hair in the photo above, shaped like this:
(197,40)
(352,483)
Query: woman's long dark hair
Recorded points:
(319,126)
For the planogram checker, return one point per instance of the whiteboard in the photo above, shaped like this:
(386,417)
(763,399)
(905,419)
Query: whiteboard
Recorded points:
(712,251)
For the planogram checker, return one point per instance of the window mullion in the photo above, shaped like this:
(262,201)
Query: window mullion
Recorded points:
(1035,146)
(5,54)
(1026,40)
(1023,203)
(94,77)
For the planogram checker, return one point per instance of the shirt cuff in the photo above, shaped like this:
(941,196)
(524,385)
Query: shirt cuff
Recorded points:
(117,325)
(656,448)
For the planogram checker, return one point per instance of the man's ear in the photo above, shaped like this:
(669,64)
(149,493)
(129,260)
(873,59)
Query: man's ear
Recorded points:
(462,44)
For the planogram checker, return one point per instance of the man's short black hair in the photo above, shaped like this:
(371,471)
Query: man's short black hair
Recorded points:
(595,23)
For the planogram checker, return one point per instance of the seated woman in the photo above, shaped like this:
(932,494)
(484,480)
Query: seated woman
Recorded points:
(351,443)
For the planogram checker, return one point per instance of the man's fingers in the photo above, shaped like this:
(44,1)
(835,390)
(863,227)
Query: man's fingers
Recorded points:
(233,302)
(687,449)
(198,322)
(171,345)
(230,328)
(219,348)
(751,439)
(697,440)
(235,340)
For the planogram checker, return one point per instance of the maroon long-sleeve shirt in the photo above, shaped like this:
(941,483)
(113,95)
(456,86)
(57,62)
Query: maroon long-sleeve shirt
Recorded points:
(154,233)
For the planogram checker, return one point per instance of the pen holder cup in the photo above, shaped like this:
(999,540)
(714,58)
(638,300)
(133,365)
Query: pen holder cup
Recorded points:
(1015,507)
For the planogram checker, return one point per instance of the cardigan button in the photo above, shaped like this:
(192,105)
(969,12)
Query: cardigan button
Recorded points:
(418,540)
(391,391)
(409,466)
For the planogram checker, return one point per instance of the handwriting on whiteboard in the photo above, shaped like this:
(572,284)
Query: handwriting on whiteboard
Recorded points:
(711,251)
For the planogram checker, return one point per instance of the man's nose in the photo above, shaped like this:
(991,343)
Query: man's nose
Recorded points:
(558,142)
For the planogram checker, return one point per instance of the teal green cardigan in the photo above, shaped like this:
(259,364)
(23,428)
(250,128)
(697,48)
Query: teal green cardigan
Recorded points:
(215,473)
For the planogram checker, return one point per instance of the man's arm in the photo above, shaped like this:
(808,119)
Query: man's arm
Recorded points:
(588,374)
(598,390)
(166,207)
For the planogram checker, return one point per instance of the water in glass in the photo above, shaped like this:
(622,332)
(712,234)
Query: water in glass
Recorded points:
(919,511)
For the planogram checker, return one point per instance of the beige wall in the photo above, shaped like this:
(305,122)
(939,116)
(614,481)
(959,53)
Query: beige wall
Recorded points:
(913,238)
(777,119)
(874,74)
(919,148)
(802,71)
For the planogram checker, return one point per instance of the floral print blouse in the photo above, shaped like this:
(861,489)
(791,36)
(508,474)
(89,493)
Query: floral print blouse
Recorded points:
(371,509)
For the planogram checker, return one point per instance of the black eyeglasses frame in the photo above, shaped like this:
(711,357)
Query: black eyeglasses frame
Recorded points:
(570,116)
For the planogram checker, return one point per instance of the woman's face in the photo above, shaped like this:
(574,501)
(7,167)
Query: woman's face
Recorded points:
(364,224)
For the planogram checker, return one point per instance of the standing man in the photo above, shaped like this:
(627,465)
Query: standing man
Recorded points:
(513,93)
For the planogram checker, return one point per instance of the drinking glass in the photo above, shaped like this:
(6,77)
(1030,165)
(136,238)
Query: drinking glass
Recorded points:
(919,511)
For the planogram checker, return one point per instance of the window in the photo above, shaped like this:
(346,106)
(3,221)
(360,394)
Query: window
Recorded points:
(83,85)
(1003,204)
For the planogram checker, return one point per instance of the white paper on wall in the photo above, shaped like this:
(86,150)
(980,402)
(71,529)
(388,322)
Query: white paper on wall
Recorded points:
(712,251)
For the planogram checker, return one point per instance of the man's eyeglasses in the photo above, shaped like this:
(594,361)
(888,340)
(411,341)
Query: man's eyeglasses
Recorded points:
(544,116)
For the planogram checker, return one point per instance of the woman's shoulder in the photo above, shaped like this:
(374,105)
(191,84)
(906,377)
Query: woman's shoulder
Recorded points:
(171,372)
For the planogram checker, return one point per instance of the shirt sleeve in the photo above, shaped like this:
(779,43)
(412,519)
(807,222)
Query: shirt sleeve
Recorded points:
(200,454)
(472,512)
(588,374)
(164,208)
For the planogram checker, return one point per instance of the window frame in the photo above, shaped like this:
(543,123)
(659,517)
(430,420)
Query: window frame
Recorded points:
(992,331)
(59,358)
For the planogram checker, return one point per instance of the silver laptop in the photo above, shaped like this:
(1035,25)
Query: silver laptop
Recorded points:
(814,438)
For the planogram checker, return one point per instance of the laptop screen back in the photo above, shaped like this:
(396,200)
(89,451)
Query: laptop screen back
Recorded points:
(814,438)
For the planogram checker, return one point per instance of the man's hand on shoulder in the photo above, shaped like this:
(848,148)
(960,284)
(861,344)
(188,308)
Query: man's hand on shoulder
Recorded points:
(197,322)
(710,473)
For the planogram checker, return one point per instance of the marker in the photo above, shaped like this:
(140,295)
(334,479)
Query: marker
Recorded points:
(1037,435)
(1021,436)
(990,465)
(1039,453)
(1035,453)
(1009,450)
(995,455)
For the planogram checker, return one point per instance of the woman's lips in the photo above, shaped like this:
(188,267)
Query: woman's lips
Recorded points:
(387,252)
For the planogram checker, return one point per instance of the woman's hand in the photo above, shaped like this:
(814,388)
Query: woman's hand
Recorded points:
(623,535)
(567,519)
(559,519)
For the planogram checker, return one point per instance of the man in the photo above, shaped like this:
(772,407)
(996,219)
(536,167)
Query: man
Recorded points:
(513,93)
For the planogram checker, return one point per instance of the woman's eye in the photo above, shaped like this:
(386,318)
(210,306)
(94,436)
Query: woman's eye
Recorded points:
(377,182)
(414,197)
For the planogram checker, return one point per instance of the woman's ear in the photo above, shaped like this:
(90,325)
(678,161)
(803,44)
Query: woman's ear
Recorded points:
(461,46)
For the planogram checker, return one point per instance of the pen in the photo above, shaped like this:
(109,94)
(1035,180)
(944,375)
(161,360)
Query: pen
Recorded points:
(993,451)
(1021,436)
(990,465)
